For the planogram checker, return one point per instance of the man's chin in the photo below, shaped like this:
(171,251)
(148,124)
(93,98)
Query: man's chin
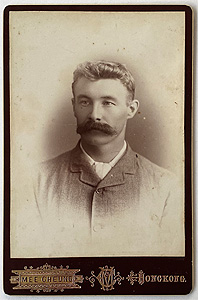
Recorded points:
(96,137)
(97,132)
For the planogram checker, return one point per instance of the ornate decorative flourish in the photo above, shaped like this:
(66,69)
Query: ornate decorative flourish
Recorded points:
(46,278)
(139,277)
(106,278)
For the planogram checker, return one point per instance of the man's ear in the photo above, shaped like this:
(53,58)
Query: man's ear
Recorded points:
(73,105)
(132,108)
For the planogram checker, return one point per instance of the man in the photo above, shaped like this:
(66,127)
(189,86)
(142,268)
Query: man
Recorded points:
(101,198)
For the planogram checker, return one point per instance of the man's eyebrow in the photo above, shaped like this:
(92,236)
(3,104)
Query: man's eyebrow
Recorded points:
(105,97)
(83,96)
(108,98)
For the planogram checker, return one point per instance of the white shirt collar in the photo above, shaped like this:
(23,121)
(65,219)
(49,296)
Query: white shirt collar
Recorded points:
(112,162)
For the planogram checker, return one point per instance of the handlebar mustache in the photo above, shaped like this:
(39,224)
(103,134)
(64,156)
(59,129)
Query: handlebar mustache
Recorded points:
(92,125)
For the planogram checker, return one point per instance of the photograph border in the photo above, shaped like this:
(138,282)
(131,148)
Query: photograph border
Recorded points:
(128,275)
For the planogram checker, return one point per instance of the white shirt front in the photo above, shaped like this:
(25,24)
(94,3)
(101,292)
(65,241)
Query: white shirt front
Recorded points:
(103,168)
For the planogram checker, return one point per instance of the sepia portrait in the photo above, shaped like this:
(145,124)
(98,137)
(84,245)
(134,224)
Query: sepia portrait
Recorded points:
(97,133)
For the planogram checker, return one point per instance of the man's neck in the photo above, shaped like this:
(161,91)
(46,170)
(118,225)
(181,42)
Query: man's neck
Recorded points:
(103,153)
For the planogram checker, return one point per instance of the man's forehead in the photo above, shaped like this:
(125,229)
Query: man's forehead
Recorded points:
(100,85)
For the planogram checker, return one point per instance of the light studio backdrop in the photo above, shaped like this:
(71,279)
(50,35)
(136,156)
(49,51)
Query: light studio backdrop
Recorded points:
(46,47)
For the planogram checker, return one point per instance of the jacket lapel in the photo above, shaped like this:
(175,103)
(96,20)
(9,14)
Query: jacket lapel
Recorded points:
(79,164)
(117,175)
(126,165)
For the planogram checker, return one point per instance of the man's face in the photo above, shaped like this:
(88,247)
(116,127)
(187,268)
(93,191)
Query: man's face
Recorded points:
(101,109)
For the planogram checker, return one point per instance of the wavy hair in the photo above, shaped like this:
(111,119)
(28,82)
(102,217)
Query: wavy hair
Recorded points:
(105,70)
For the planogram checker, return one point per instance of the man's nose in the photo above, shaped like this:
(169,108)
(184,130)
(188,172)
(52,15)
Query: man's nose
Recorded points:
(95,113)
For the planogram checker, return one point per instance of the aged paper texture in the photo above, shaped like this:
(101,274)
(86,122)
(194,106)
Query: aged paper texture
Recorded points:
(45,48)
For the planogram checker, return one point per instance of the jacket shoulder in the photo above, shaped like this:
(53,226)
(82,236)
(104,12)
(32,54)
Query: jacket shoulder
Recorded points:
(154,171)
(54,164)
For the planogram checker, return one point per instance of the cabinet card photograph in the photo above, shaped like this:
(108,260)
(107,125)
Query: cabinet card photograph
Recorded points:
(97,112)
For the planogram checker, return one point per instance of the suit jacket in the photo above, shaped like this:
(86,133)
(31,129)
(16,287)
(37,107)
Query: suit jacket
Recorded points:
(137,209)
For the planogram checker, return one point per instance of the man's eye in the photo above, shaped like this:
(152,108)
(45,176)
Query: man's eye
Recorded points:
(84,102)
(108,103)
